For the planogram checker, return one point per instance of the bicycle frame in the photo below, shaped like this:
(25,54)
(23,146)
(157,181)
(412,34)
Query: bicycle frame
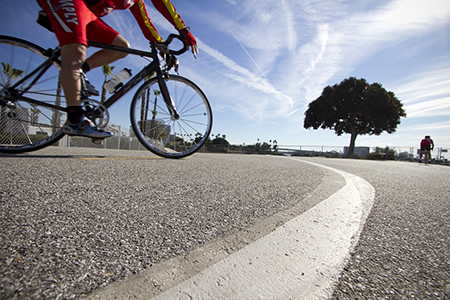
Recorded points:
(154,66)
(135,80)
(33,106)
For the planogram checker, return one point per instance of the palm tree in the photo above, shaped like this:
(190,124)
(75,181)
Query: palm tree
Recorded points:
(34,114)
(107,71)
(10,74)
(153,122)
(56,117)
(142,112)
(144,104)
(147,100)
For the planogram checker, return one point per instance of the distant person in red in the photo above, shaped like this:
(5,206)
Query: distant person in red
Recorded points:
(426,145)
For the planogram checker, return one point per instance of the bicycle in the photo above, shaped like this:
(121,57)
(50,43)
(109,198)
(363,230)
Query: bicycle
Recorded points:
(170,115)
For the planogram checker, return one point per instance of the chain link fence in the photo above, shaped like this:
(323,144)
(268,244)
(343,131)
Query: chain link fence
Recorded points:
(122,141)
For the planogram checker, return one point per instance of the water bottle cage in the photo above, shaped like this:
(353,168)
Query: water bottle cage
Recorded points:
(117,81)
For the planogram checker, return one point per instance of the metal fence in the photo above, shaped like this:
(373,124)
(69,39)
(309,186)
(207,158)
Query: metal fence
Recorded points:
(132,143)
(114,142)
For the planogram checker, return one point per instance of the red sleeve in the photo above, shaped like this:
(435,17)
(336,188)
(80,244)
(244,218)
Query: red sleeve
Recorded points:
(169,12)
(148,29)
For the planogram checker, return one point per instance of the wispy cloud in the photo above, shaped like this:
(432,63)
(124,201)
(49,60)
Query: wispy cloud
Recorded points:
(430,126)
(291,32)
(247,82)
(431,108)
(427,93)
(353,38)
(302,47)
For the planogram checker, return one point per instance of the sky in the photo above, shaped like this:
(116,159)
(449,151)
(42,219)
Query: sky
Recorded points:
(262,62)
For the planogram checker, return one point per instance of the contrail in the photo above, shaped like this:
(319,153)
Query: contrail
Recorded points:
(248,54)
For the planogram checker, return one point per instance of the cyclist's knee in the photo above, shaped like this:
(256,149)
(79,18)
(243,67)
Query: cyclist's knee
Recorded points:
(120,41)
(73,55)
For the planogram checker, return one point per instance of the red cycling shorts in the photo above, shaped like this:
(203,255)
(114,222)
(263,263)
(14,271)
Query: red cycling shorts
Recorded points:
(73,22)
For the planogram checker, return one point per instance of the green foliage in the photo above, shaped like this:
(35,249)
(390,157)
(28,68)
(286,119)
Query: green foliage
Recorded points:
(11,73)
(107,71)
(218,144)
(382,154)
(270,147)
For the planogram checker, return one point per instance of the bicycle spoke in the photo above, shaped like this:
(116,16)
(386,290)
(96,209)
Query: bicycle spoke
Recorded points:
(182,110)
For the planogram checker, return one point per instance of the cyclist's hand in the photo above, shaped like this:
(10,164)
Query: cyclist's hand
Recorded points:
(190,40)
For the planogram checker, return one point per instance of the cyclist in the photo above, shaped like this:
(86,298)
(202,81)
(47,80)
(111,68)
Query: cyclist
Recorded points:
(426,145)
(76,21)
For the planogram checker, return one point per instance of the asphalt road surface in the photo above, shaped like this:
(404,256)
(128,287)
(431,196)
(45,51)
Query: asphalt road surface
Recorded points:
(93,223)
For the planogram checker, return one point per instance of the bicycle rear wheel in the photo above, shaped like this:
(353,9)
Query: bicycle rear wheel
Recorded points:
(158,131)
(27,124)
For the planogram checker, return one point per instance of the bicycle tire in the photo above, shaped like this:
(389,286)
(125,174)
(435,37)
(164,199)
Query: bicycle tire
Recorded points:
(161,134)
(26,126)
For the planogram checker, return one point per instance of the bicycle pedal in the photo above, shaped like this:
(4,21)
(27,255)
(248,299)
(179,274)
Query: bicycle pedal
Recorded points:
(97,141)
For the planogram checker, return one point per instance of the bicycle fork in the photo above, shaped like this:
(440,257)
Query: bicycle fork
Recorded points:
(167,99)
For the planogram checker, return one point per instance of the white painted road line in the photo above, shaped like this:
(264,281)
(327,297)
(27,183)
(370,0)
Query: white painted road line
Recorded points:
(299,260)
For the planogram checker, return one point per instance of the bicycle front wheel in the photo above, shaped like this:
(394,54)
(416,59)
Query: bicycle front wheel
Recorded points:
(32,114)
(158,130)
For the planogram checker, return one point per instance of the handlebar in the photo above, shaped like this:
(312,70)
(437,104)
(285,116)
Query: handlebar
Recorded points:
(169,40)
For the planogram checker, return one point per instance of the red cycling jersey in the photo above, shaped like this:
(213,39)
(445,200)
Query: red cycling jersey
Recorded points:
(76,21)
(425,142)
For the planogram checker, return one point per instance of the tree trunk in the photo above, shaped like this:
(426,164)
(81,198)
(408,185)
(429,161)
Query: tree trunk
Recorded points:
(147,101)
(351,148)
(103,98)
(56,117)
(142,113)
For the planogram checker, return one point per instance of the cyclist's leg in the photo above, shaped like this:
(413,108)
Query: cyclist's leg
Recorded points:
(69,23)
(99,31)
(72,57)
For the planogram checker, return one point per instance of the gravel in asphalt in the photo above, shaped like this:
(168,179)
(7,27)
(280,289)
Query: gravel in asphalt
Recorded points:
(404,249)
(74,220)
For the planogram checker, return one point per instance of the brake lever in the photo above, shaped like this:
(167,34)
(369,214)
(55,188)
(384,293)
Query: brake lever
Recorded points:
(175,67)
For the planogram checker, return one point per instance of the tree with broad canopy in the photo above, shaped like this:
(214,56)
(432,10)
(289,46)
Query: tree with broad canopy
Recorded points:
(355,107)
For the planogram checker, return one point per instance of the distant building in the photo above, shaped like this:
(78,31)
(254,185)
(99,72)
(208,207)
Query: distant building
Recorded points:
(360,151)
